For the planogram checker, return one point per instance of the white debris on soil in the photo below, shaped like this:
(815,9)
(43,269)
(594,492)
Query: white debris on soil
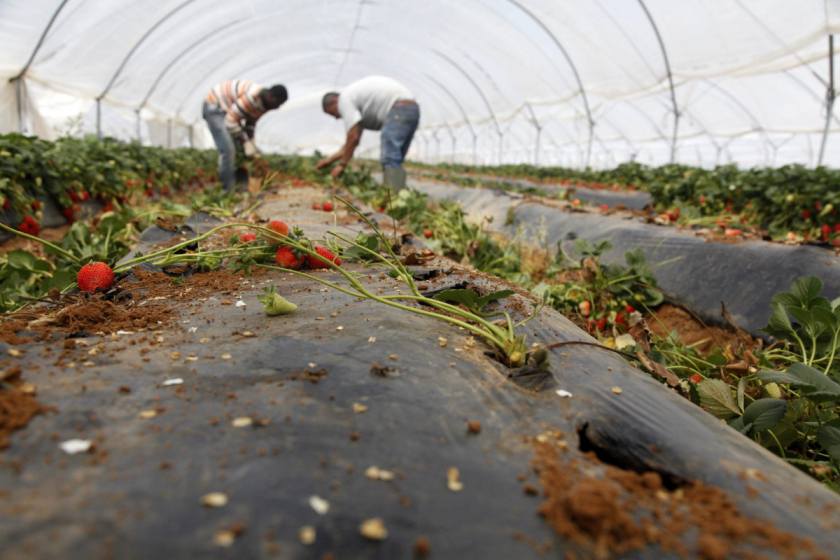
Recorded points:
(624,341)
(371,339)
(73,446)
(562,393)
(375,473)
(214,500)
(226,356)
(442,342)
(242,422)
(147,414)
(374,529)
(240,303)
(453,479)
(173,381)
(617,390)
(306,534)
(319,504)
(359,408)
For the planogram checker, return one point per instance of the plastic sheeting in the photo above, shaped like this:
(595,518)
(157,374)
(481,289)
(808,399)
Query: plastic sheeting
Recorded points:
(140,494)
(692,272)
(552,81)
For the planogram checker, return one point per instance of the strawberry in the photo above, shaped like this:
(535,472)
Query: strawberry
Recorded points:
(279,226)
(323,260)
(70,212)
(732,232)
(673,214)
(604,208)
(7,203)
(327,206)
(287,258)
(74,196)
(826,231)
(836,228)
(576,202)
(620,319)
(247,237)
(585,308)
(428,234)
(29,225)
(35,205)
(702,200)
(84,195)
(95,276)
(601,323)
(696,378)
(381,209)
(818,205)
(316,205)
(806,214)
(629,308)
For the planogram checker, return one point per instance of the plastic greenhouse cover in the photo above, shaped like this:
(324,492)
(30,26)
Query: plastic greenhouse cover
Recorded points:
(553,81)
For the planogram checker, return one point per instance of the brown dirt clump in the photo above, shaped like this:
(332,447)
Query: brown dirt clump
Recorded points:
(607,512)
(692,332)
(17,408)
(100,315)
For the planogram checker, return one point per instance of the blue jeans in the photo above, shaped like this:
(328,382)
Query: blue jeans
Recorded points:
(397,133)
(215,117)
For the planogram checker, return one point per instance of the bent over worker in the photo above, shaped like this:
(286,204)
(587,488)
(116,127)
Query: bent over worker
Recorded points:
(374,103)
(232,109)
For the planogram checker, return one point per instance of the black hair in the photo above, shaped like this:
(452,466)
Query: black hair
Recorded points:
(327,99)
(275,96)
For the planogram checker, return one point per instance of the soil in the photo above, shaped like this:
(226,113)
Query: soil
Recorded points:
(608,511)
(17,407)
(693,332)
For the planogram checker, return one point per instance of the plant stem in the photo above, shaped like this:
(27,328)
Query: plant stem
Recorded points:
(44,242)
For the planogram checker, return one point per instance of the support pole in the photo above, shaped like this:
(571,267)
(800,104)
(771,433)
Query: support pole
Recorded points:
(19,100)
(475,148)
(99,118)
(830,95)
(169,133)
(501,144)
(437,145)
(190,136)
(137,124)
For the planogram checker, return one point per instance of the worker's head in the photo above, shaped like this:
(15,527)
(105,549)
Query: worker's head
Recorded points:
(329,103)
(274,96)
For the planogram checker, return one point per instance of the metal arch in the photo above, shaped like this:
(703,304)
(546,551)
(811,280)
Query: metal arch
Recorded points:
(40,42)
(738,103)
(572,65)
(670,77)
(179,56)
(475,85)
(830,96)
(16,79)
(128,57)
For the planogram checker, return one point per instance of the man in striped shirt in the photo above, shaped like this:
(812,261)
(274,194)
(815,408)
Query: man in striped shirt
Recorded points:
(231,110)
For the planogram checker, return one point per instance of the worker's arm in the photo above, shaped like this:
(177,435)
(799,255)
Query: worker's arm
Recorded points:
(345,153)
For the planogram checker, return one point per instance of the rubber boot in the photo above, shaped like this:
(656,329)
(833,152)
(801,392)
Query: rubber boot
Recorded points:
(394,178)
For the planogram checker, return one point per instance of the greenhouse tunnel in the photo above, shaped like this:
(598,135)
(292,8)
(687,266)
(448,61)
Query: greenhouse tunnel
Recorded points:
(596,314)
(552,82)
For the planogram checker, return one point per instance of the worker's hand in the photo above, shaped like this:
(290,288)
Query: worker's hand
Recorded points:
(337,171)
(250,149)
(322,164)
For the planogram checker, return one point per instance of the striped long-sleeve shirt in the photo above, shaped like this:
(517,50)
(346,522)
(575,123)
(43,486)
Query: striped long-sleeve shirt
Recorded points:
(240,99)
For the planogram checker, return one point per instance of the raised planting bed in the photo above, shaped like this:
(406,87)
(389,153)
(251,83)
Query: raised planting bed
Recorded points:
(692,271)
(613,198)
(357,429)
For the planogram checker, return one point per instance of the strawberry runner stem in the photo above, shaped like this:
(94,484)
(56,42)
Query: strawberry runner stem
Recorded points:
(66,254)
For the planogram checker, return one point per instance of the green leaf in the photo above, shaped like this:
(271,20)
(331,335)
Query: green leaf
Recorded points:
(806,289)
(815,385)
(779,324)
(829,437)
(716,397)
(764,414)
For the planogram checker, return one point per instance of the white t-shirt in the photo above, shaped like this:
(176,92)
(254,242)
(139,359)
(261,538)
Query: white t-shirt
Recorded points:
(369,100)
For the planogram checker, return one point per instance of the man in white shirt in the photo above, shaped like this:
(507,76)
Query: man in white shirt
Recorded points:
(374,103)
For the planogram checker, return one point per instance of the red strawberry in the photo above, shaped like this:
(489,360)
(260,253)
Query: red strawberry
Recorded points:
(108,206)
(702,200)
(247,237)
(95,276)
(629,308)
(381,209)
(29,225)
(35,205)
(836,228)
(84,195)
(149,192)
(327,206)
(286,258)
(826,231)
(818,205)
(69,213)
(74,196)
(585,308)
(696,378)
(604,208)
(7,203)
(601,323)
(620,319)
(428,234)
(323,261)
(316,205)
(279,226)
(806,214)
(673,214)
(732,232)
